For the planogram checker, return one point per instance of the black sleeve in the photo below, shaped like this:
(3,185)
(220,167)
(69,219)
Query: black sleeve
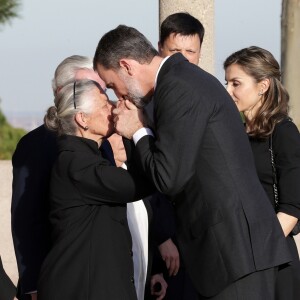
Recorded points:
(100,183)
(163,221)
(169,159)
(286,144)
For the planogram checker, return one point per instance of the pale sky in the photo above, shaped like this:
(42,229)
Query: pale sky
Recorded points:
(50,30)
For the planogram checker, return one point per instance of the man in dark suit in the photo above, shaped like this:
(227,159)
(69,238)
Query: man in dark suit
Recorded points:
(32,162)
(227,231)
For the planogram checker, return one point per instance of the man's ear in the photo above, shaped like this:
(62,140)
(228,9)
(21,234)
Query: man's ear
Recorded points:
(126,65)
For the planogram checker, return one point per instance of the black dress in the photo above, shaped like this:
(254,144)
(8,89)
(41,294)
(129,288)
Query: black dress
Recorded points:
(286,147)
(91,256)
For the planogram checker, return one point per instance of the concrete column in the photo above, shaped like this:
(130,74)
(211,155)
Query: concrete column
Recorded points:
(203,10)
(290,54)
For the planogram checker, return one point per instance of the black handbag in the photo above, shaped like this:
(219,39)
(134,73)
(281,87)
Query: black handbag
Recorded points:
(296,229)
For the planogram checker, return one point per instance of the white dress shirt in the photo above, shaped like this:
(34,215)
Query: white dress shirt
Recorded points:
(137,217)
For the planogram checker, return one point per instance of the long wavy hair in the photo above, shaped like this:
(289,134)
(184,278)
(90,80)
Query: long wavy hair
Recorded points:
(260,64)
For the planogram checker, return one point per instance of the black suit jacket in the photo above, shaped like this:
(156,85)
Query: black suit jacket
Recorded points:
(201,157)
(32,162)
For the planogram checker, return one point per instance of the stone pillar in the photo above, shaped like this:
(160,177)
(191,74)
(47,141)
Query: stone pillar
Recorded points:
(203,10)
(290,54)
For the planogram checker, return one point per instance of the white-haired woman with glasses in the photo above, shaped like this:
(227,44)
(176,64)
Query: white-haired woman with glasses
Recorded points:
(91,255)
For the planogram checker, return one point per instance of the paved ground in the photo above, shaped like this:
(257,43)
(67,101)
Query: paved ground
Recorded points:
(6,245)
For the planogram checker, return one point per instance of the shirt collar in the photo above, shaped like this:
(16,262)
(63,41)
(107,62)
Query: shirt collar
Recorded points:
(161,64)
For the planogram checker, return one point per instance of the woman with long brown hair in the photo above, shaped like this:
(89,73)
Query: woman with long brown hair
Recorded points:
(253,80)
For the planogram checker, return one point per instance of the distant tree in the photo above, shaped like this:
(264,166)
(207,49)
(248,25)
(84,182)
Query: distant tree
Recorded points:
(9,137)
(8,10)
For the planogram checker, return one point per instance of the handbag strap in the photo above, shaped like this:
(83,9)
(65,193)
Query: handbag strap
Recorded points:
(274,173)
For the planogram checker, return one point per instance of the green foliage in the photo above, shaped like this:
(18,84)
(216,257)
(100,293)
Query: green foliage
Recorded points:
(9,137)
(2,119)
(8,10)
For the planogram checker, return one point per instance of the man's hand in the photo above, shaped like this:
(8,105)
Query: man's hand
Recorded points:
(170,255)
(128,118)
(158,280)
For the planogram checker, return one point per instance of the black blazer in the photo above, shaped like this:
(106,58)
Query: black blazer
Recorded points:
(201,157)
(32,162)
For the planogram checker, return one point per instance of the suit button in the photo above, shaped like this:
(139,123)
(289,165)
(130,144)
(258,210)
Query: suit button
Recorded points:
(132,280)
(131,253)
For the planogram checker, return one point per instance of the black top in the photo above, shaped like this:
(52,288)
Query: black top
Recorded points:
(91,254)
(286,148)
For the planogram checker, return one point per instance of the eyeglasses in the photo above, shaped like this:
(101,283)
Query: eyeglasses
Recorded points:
(74,94)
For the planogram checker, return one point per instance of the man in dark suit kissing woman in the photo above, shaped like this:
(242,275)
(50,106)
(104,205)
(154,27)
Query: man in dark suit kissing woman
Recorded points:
(198,154)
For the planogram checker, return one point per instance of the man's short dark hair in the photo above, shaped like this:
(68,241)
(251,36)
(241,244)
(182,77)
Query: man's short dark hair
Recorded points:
(123,42)
(181,23)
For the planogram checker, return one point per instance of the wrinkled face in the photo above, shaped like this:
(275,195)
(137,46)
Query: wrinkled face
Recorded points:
(188,45)
(99,121)
(124,85)
(243,89)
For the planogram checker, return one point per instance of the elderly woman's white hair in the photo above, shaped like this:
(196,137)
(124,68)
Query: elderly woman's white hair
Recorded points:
(71,99)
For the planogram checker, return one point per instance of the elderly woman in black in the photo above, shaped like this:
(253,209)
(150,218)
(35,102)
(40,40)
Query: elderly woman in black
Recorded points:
(91,255)
(253,81)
